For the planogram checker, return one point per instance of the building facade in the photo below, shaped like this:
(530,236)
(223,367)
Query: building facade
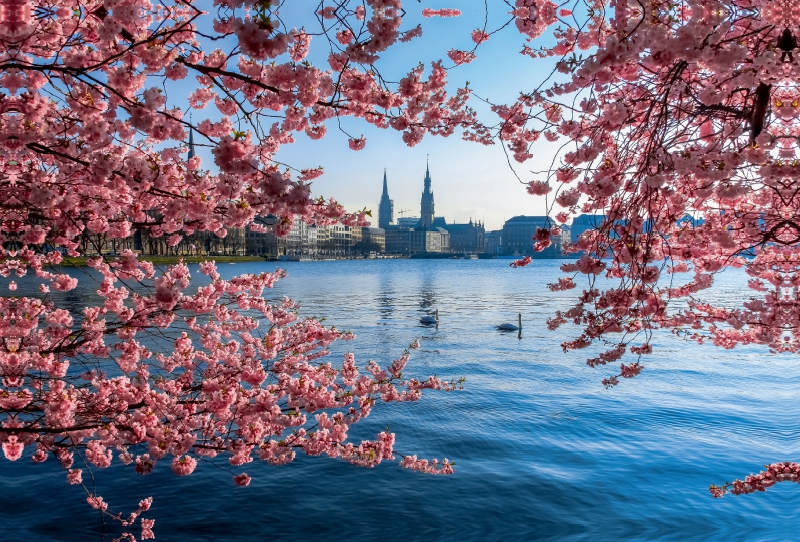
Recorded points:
(409,222)
(494,243)
(373,239)
(424,240)
(264,244)
(324,246)
(518,235)
(302,240)
(341,239)
(582,223)
(467,238)
(398,240)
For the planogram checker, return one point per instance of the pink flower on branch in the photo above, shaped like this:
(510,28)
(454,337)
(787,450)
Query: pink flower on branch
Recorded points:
(242,480)
(539,188)
(445,12)
(239,376)
(357,144)
(253,389)
(147,529)
(479,36)
(460,57)
(771,475)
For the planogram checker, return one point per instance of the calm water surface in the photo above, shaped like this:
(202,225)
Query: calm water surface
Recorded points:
(543,451)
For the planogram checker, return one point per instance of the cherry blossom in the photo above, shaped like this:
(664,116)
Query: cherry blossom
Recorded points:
(771,475)
(678,127)
(445,12)
(94,107)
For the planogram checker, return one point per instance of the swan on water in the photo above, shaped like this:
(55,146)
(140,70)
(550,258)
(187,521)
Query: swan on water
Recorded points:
(511,327)
(428,319)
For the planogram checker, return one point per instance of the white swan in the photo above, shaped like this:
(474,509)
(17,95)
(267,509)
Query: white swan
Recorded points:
(428,319)
(511,327)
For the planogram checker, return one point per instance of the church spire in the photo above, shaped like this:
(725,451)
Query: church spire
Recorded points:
(427,175)
(386,206)
(191,138)
(426,205)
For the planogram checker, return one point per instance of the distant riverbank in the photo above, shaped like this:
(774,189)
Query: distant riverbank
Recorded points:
(170,260)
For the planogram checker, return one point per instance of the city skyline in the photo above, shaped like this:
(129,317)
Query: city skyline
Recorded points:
(405,181)
(386,209)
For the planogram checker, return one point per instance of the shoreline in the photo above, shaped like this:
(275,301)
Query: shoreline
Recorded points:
(171,260)
(80,261)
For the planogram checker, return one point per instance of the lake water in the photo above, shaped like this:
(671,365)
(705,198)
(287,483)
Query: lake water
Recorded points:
(543,450)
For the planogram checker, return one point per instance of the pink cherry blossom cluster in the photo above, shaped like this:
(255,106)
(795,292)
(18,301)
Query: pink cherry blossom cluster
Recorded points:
(533,17)
(686,159)
(678,128)
(460,57)
(430,467)
(479,36)
(94,155)
(445,12)
(771,475)
(225,388)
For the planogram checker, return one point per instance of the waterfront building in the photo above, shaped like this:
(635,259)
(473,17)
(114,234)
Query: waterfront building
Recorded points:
(310,240)
(566,232)
(302,240)
(355,236)
(386,207)
(494,243)
(466,238)
(582,223)
(264,244)
(370,240)
(406,241)
(294,239)
(298,239)
(373,239)
(424,240)
(398,240)
(341,239)
(324,246)
(518,235)
(199,243)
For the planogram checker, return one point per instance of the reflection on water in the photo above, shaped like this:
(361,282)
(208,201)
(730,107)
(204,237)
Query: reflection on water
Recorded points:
(543,451)
(427,295)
